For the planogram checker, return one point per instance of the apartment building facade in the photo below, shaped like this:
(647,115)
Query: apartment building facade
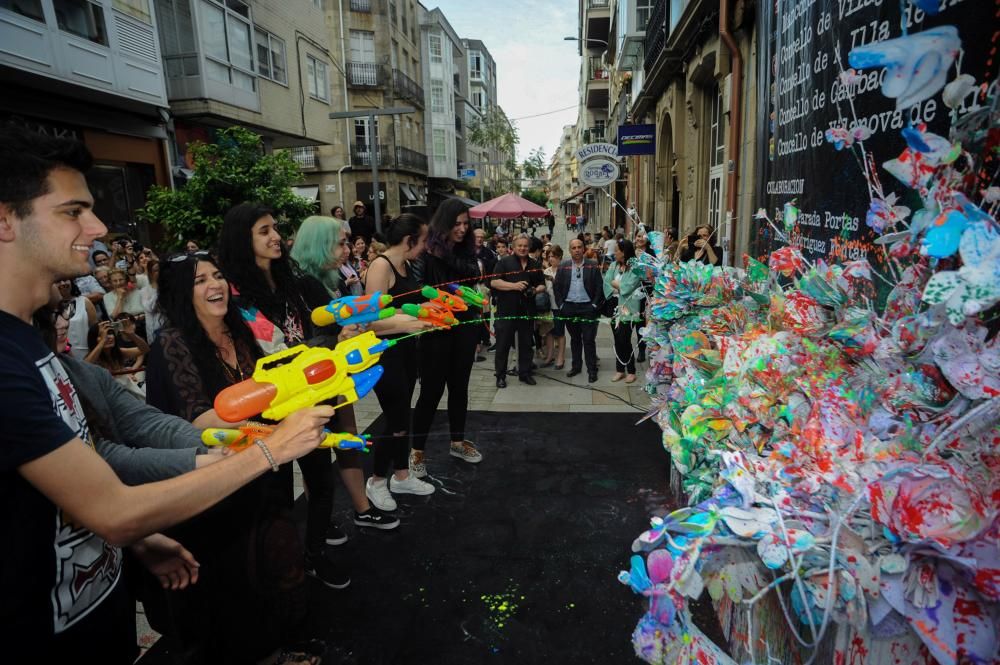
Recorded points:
(564,185)
(595,83)
(666,63)
(92,71)
(444,59)
(376,64)
(687,91)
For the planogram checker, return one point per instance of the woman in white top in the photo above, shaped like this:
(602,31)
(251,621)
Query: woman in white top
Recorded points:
(122,298)
(148,295)
(79,313)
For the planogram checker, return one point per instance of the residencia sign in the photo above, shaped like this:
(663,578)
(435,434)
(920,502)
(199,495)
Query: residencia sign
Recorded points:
(598,164)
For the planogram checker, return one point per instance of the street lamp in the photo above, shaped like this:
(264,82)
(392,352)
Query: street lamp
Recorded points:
(373,147)
(588,40)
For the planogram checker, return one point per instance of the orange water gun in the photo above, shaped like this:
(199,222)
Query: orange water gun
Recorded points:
(242,437)
(431,311)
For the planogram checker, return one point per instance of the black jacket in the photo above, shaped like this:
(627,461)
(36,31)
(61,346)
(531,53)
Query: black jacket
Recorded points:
(592,282)
(438,271)
(515,303)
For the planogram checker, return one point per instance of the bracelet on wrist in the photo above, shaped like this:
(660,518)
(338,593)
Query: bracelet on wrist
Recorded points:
(267,453)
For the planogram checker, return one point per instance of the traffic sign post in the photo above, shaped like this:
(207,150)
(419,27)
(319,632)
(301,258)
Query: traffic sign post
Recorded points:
(373,152)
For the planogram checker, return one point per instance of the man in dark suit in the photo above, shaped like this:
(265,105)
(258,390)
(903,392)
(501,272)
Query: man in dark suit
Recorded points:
(579,293)
(519,279)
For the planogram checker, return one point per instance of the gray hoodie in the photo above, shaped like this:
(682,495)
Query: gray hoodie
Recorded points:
(146,444)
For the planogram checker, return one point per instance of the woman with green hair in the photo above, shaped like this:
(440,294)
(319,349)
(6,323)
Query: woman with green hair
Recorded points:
(321,247)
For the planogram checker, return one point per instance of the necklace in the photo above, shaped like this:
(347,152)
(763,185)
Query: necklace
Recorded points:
(230,373)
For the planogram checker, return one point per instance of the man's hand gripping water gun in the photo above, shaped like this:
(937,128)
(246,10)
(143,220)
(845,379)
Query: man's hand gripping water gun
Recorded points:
(304,376)
(241,437)
(354,310)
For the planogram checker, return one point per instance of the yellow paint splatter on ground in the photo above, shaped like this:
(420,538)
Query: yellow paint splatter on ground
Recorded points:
(501,606)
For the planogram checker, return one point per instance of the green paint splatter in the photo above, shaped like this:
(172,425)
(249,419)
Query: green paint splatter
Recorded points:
(501,606)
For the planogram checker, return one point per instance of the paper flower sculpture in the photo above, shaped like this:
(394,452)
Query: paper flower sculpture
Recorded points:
(917,65)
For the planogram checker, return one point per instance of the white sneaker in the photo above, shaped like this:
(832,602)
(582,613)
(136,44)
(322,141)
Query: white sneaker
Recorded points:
(377,492)
(417,467)
(412,485)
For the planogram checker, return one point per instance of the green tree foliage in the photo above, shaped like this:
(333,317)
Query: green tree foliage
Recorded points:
(536,196)
(498,134)
(534,166)
(230,171)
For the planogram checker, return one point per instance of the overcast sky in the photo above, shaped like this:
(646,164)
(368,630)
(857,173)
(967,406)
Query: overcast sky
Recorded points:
(536,70)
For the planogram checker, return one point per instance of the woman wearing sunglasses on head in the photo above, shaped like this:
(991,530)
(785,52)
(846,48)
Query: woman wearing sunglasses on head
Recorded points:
(203,348)
(277,300)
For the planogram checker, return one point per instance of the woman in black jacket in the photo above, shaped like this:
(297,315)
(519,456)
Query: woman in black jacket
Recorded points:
(446,356)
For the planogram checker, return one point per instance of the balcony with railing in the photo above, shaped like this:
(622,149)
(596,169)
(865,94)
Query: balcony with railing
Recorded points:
(598,80)
(367,75)
(403,87)
(363,6)
(598,4)
(410,160)
(362,153)
(656,34)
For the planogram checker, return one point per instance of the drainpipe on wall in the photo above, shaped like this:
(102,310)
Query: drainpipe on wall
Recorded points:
(343,62)
(735,121)
(340,184)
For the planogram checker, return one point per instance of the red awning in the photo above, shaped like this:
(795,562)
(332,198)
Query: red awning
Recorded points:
(508,206)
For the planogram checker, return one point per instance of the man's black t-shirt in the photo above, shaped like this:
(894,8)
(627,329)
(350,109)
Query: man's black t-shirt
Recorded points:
(516,303)
(363,226)
(62,591)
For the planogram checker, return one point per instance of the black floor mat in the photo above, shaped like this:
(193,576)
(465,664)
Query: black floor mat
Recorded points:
(513,560)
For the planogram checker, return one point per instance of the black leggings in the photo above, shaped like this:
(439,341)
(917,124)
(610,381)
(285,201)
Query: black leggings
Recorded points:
(317,474)
(446,358)
(624,355)
(395,393)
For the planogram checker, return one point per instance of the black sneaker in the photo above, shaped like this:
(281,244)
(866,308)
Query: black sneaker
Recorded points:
(335,535)
(327,572)
(375,519)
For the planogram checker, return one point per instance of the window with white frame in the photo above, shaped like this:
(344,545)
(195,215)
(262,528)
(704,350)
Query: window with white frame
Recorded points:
(319,81)
(270,56)
(440,155)
(716,154)
(225,37)
(475,64)
(435,42)
(83,19)
(437,96)
(643,10)
(479,100)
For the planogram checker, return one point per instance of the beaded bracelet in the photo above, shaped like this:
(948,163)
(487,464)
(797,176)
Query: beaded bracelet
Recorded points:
(267,453)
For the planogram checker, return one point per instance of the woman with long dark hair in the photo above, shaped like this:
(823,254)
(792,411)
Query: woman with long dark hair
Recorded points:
(391,272)
(621,283)
(277,300)
(251,585)
(446,356)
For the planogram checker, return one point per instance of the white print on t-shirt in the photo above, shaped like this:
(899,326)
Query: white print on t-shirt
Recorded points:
(87,568)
